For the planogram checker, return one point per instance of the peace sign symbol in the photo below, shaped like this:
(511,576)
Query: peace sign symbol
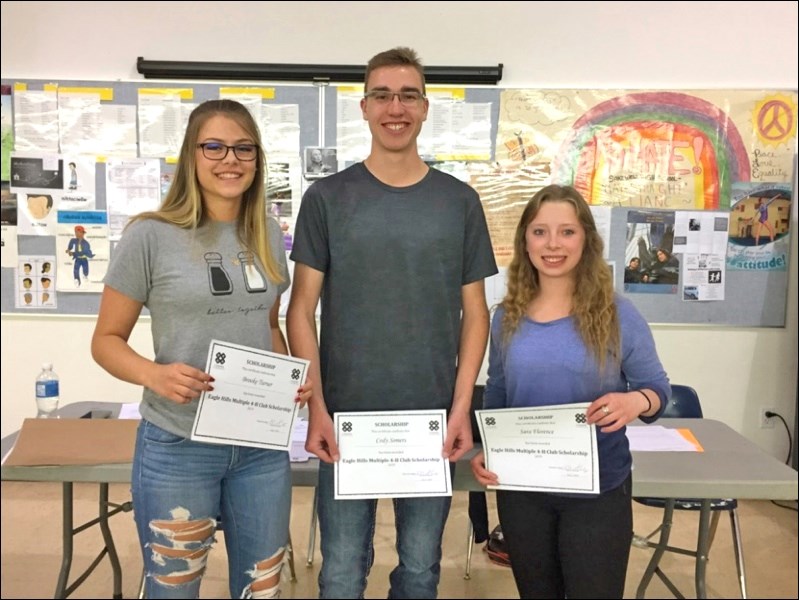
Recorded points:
(775,120)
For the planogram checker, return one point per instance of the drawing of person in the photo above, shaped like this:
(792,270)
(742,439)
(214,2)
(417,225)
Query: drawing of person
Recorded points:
(73,176)
(81,251)
(39,205)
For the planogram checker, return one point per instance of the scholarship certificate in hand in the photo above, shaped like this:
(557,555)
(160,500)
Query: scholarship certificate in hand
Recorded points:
(393,454)
(541,449)
(252,403)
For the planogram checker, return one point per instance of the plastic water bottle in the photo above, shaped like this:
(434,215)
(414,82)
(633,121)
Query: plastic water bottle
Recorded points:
(46,392)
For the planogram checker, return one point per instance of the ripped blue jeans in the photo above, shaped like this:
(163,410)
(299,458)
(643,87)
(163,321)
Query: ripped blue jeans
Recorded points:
(181,487)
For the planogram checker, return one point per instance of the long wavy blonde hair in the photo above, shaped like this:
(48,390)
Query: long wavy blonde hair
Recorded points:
(593,301)
(183,205)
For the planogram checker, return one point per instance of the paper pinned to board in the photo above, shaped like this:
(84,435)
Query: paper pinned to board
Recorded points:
(56,442)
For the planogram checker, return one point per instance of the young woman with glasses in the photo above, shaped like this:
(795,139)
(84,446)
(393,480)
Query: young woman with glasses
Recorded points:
(215,207)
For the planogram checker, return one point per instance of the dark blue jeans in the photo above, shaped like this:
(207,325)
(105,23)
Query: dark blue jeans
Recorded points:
(347,530)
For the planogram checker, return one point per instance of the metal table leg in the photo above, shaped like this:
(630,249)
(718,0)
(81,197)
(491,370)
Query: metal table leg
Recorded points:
(312,531)
(109,540)
(69,531)
(66,540)
(702,549)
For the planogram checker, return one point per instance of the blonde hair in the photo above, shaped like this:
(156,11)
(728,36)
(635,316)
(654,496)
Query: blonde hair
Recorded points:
(593,300)
(183,204)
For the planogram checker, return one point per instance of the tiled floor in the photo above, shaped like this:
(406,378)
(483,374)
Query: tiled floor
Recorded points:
(31,551)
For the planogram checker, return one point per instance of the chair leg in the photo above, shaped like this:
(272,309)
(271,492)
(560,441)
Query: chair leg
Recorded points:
(290,559)
(714,523)
(312,532)
(739,550)
(469,546)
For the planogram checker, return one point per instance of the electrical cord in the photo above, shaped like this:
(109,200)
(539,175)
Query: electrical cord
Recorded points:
(770,415)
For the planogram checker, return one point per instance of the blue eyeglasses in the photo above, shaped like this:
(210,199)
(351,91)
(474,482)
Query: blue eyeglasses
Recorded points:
(218,151)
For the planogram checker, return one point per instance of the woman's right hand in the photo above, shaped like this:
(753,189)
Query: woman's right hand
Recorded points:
(179,382)
(481,474)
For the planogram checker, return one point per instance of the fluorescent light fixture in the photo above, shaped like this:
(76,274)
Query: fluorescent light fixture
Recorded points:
(174,69)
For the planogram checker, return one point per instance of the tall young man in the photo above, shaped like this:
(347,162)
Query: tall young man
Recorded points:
(398,252)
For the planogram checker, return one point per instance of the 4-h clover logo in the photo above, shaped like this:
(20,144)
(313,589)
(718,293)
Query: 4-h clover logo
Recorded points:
(346,427)
(220,358)
(579,417)
(490,421)
(295,374)
(433,425)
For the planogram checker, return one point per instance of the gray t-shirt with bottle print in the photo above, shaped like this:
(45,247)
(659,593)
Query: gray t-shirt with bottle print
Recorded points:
(199,285)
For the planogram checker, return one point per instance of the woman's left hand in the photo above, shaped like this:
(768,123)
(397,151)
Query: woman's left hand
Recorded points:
(304,393)
(613,411)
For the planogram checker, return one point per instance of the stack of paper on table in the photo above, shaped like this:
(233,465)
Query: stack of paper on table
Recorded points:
(656,438)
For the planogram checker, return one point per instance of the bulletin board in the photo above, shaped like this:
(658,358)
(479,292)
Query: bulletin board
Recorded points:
(304,99)
(685,172)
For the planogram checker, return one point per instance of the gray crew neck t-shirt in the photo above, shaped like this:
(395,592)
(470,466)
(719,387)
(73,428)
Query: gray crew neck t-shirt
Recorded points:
(198,285)
(395,260)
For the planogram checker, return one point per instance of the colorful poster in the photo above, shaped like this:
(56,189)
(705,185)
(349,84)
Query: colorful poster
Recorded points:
(651,149)
(760,222)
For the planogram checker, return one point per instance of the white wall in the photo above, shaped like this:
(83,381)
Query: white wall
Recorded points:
(666,45)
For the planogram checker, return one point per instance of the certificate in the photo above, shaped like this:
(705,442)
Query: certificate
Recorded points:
(393,454)
(252,403)
(541,449)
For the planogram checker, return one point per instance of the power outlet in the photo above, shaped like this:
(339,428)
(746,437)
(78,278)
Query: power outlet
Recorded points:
(765,422)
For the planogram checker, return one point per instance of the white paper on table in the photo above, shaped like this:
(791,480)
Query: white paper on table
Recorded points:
(391,454)
(297,452)
(129,410)
(252,403)
(656,438)
(541,448)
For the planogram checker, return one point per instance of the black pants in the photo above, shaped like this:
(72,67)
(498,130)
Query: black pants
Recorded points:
(568,547)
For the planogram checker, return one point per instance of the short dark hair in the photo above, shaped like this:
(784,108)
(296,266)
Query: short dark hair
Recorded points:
(396,57)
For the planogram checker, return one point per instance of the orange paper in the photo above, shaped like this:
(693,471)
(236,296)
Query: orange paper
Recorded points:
(686,433)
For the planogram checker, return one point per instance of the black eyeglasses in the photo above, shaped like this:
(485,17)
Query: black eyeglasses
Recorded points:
(218,151)
(406,98)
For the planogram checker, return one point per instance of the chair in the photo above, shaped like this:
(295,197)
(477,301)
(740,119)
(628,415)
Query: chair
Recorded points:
(684,403)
